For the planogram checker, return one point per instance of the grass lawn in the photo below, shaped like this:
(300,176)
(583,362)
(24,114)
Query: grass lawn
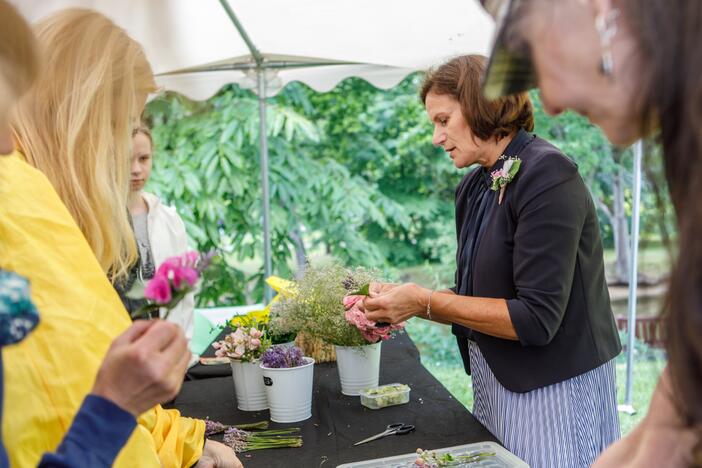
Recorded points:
(440,356)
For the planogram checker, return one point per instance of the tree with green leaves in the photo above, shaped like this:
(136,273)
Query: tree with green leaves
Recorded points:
(353,174)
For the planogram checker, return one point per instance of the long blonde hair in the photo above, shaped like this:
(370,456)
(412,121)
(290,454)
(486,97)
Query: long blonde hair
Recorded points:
(76,125)
(19,62)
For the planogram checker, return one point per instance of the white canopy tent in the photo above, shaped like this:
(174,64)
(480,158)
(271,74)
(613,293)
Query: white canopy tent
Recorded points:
(196,47)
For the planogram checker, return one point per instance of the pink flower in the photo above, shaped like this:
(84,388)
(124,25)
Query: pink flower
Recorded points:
(350,301)
(168,266)
(255,343)
(238,337)
(190,259)
(499,173)
(255,333)
(368,328)
(158,289)
(184,277)
(239,351)
(181,270)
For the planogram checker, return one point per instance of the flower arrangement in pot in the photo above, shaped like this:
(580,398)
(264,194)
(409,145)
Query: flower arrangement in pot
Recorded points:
(288,376)
(325,305)
(244,347)
(262,317)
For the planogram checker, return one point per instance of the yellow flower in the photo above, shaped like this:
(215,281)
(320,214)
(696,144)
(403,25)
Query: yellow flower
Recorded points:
(281,286)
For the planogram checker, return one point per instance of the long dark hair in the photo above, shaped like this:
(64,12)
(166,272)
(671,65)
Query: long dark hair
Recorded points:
(669,33)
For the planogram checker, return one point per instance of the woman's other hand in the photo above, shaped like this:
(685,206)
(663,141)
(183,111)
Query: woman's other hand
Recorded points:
(218,455)
(397,303)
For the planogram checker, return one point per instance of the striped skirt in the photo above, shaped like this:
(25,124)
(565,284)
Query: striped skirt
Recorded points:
(564,425)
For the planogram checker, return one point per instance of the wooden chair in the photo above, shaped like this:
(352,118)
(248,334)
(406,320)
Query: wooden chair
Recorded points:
(648,329)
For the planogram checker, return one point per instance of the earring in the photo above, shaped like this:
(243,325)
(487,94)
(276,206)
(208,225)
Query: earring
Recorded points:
(606,26)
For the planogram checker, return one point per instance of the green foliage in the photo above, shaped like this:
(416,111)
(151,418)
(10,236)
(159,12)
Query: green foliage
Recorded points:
(384,139)
(599,163)
(353,174)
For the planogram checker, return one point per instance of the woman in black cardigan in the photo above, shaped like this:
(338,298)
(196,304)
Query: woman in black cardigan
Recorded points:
(530,308)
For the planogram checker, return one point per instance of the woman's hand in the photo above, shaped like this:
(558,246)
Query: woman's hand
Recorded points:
(397,303)
(144,366)
(217,455)
(376,288)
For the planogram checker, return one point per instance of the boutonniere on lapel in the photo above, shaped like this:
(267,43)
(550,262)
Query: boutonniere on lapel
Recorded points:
(502,177)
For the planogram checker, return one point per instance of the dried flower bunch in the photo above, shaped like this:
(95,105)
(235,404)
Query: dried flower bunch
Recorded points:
(244,441)
(216,427)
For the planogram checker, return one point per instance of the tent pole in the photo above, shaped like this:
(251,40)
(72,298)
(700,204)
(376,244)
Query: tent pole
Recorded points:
(263,135)
(242,32)
(628,406)
(267,293)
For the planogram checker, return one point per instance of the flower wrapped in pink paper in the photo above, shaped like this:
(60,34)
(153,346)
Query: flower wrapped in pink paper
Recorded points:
(370,330)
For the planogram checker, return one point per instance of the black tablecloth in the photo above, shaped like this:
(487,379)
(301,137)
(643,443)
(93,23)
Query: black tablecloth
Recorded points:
(338,421)
(198,371)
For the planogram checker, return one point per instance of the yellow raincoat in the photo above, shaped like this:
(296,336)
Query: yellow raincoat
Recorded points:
(49,373)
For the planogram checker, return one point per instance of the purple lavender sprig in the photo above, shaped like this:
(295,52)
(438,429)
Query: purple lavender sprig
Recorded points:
(204,261)
(283,357)
(216,427)
(243,441)
(349,283)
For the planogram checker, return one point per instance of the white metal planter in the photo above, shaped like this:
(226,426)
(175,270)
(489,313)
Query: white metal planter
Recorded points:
(359,367)
(248,385)
(289,391)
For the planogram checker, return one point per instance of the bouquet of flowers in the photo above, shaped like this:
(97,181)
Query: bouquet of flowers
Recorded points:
(262,318)
(324,303)
(175,278)
(283,357)
(246,344)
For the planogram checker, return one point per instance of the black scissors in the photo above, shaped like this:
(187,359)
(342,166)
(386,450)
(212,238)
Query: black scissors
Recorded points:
(392,429)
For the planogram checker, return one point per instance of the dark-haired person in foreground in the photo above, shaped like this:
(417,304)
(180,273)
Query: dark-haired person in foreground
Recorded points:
(633,67)
(530,308)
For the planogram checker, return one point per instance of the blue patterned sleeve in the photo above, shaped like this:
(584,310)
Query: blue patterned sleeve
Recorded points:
(98,433)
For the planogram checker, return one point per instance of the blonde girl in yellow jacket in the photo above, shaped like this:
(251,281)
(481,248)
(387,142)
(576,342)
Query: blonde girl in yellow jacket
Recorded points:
(75,126)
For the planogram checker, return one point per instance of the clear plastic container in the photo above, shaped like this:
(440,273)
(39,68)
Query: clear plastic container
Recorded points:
(385,395)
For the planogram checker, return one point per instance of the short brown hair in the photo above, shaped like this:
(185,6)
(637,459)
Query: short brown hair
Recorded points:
(461,78)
